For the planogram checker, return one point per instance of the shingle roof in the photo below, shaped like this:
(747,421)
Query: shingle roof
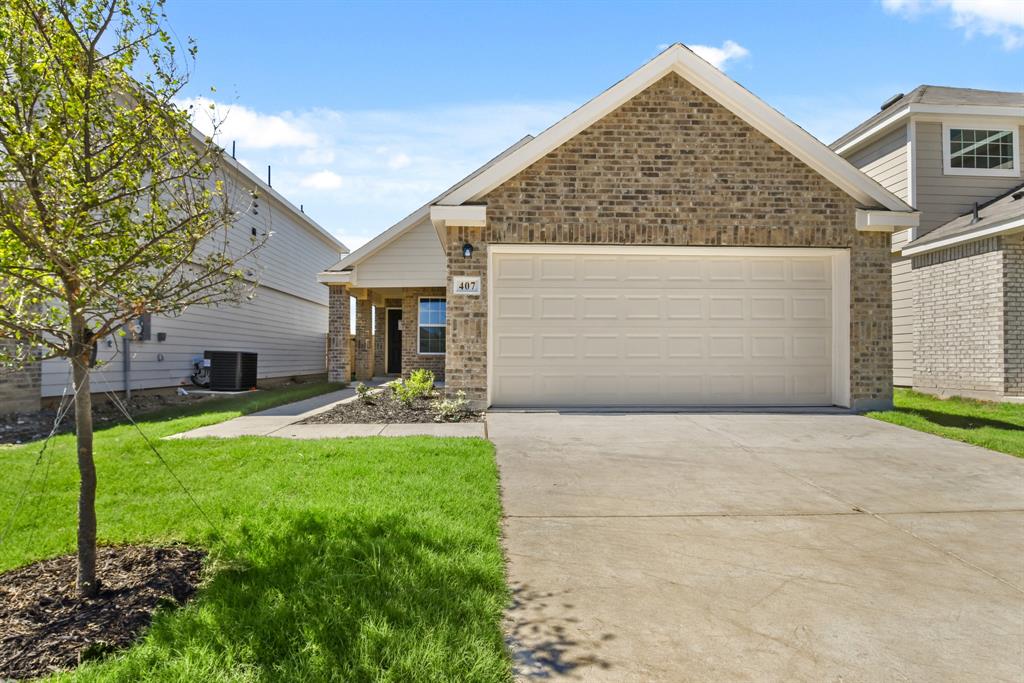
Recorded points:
(937,94)
(998,210)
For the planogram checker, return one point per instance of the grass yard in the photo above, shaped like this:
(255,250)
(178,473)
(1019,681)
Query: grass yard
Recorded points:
(362,559)
(999,426)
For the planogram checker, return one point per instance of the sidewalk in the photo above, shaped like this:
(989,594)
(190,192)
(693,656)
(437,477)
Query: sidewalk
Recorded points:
(281,422)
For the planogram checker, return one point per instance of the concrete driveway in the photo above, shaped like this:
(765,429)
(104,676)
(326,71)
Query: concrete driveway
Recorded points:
(766,547)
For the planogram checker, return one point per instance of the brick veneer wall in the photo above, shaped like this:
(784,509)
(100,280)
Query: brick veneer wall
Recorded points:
(20,388)
(364,340)
(673,167)
(412,359)
(960,321)
(1013,314)
(380,322)
(338,333)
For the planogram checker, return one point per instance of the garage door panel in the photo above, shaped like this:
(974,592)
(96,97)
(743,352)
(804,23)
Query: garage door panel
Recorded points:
(608,329)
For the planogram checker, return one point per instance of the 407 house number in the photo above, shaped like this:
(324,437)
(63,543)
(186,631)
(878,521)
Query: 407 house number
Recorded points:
(469,286)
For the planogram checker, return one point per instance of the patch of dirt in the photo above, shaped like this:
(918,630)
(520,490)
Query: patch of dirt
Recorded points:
(382,408)
(24,427)
(45,627)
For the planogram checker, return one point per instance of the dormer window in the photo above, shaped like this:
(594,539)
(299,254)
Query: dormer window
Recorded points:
(980,150)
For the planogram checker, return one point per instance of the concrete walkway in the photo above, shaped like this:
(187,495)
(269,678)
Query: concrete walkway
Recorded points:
(282,422)
(758,547)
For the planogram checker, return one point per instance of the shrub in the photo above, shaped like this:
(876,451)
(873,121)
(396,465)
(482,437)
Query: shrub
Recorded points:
(403,392)
(450,409)
(364,393)
(422,381)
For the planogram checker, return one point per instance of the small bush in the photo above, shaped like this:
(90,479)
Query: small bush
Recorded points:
(403,392)
(422,381)
(450,409)
(364,393)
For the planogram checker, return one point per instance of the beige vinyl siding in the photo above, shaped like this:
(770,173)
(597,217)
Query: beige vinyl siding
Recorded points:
(904,312)
(885,160)
(941,197)
(285,322)
(416,259)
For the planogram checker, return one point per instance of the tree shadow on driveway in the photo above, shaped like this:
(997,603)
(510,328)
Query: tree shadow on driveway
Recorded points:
(542,645)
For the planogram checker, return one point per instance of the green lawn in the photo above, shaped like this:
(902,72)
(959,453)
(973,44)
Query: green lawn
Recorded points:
(999,426)
(358,560)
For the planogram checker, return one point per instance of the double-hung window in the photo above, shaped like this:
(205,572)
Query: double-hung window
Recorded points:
(432,320)
(980,150)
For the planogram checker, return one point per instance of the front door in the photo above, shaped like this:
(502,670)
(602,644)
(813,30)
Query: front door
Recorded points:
(394,341)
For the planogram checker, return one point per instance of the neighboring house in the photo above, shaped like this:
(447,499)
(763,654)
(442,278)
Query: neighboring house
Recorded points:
(674,241)
(958,278)
(283,323)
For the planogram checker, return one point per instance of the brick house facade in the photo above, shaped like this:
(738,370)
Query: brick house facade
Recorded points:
(669,166)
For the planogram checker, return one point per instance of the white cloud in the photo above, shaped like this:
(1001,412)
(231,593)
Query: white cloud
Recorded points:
(1003,19)
(719,57)
(359,171)
(248,128)
(399,161)
(322,180)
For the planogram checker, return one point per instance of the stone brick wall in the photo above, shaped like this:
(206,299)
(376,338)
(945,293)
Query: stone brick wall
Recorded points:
(338,334)
(380,322)
(1013,314)
(960,321)
(412,359)
(673,167)
(364,340)
(20,387)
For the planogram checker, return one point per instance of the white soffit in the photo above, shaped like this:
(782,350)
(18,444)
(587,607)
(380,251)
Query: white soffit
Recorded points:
(724,90)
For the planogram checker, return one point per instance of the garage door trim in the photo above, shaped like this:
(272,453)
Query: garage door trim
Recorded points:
(840,292)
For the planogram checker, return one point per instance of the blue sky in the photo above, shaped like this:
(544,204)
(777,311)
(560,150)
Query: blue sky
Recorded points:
(367,110)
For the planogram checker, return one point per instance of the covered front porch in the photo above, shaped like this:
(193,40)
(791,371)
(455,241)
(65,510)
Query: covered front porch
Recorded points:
(381,332)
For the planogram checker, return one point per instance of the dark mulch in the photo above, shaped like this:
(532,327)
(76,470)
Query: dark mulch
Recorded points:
(383,409)
(44,627)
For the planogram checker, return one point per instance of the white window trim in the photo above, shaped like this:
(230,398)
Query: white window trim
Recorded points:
(419,302)
(1008,126)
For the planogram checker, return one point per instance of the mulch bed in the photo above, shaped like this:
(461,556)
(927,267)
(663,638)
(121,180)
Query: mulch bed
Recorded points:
(383,409)
(45,628)
(24,427)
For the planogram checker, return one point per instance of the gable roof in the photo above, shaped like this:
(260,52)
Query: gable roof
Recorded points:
(998,216)
(727,92)
(934,99)
(415,218)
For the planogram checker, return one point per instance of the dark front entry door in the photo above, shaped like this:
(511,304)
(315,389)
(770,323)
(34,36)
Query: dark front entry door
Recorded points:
(394,351)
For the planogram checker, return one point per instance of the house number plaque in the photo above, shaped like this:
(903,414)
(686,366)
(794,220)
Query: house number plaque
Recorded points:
(469,286)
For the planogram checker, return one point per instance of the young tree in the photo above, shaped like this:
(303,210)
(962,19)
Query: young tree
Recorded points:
(111,206)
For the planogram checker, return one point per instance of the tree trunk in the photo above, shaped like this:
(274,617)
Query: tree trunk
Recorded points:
(87,584)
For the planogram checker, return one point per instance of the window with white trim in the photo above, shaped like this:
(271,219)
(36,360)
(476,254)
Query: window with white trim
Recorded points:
(432,321)
(980,150)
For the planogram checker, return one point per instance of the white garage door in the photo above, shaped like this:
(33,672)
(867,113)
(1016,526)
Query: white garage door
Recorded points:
(661,327)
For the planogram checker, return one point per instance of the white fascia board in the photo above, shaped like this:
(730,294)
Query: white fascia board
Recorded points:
(1008,227)
(470,216)
(718,86)
(867,220)
(926,112)
(385,238)
(334,277)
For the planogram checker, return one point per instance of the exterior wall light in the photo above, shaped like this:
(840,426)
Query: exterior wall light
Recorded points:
(467,249)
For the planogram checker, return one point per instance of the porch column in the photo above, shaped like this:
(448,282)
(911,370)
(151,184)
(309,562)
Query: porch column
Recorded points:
(364,339)
(338,325)
(380,322)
